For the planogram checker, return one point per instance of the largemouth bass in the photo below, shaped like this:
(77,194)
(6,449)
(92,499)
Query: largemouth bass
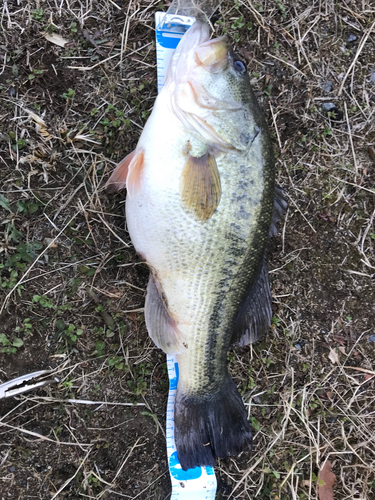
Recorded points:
(200,208)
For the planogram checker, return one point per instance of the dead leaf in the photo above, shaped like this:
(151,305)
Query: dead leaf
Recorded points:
(326,480)
(56,39)
(333,356)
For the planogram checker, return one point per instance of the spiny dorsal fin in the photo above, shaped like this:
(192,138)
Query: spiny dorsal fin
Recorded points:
(200,186)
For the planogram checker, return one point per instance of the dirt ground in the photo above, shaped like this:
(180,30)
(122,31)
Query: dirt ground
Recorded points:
(72,286)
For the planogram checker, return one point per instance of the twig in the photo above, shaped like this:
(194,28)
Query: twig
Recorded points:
(288,64)
(363,370)
(359,50)
(274,122)
(112,231)
(86,402)
(351,141)
(41,437)
(89,68)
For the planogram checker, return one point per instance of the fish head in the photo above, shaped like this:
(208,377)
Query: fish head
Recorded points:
(209,91)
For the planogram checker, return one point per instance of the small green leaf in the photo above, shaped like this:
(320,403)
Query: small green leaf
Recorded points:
(4,202)
(3,339)
(255,424)
(60,325)
(17,342)
(33,207)
(14,234)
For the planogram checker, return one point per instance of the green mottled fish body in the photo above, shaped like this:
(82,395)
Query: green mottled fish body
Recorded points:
(199,210)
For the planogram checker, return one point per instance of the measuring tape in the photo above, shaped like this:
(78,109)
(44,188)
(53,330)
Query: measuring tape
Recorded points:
(198,483)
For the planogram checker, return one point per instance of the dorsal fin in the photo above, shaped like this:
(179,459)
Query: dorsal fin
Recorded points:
(280,206)
(255,315)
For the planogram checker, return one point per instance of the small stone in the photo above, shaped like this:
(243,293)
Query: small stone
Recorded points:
(299,344)
(352,38)
(12,92)
(331,419)
(328,106)
(12,468)
(326,86)
(335,113)
(371,338)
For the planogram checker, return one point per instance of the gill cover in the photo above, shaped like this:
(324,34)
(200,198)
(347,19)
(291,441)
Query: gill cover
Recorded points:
(197,66)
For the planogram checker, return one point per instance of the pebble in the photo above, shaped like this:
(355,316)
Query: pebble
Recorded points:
(328,106)
(326,86)
(331,419)
(299,344)
(371,338)
(352,38)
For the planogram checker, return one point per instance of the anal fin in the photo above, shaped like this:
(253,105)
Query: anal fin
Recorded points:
(255,315)
(161,327)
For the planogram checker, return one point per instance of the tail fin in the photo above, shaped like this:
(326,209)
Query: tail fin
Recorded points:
(213,426)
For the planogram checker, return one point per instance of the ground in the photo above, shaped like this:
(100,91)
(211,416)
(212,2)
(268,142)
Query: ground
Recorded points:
(73,287)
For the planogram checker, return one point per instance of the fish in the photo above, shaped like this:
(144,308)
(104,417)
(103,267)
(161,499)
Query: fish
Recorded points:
(201,205)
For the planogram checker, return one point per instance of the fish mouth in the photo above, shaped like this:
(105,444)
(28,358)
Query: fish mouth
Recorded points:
(196,49)
(213,55)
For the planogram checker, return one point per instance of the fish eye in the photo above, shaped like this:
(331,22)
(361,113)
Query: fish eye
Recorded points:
(239,66)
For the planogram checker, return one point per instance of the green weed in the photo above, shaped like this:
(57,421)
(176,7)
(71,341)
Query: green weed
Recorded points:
(9,346)
(38,14)
(68,95)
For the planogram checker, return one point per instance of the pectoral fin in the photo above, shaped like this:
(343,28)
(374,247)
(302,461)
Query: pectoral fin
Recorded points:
(127,174)
(161,327)
(200,186)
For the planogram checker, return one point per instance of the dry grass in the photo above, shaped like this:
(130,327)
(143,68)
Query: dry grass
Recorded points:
(309,385)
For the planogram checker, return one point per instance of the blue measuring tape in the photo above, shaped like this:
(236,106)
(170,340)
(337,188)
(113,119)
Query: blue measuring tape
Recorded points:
(198,483)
